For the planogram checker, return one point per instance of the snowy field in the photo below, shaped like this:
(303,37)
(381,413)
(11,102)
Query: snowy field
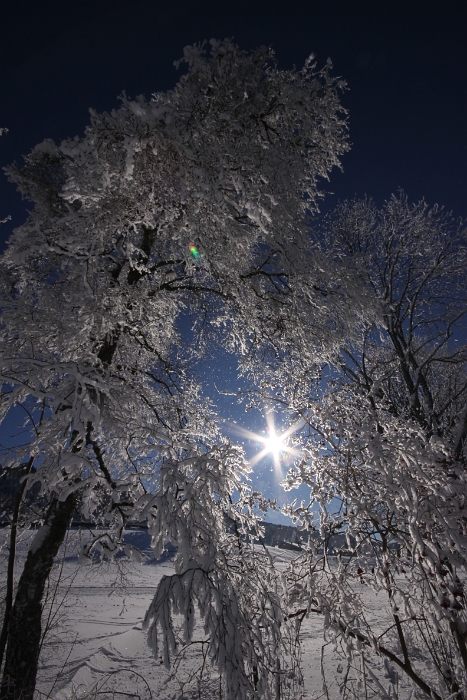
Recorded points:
(95,646)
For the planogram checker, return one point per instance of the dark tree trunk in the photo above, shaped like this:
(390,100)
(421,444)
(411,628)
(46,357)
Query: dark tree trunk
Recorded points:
(11,563)
(24,634)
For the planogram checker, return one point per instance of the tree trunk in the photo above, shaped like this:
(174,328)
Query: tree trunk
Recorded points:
(11,564)
(24,634)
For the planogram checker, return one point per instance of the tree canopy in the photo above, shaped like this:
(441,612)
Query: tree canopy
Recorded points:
(196,199)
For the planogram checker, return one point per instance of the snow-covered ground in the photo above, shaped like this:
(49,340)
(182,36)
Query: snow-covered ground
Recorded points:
(96,647)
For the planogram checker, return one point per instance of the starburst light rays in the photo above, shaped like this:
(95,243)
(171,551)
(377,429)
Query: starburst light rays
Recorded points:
(275,444)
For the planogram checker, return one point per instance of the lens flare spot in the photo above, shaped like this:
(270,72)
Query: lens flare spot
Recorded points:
(194,251)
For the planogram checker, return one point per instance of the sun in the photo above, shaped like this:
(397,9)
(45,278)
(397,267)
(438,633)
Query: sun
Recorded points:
(274,444)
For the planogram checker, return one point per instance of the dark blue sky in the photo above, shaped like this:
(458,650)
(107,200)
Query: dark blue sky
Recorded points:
(405,64)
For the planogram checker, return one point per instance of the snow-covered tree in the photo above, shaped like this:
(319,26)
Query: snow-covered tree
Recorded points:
(384,448)
(194,201)
(219,572)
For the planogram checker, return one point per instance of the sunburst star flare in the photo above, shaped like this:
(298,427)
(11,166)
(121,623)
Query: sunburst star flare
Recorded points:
(274,443)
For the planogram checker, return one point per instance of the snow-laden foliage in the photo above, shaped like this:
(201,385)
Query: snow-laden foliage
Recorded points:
(384,447)
(193,202)
(95,280)
(221,576)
